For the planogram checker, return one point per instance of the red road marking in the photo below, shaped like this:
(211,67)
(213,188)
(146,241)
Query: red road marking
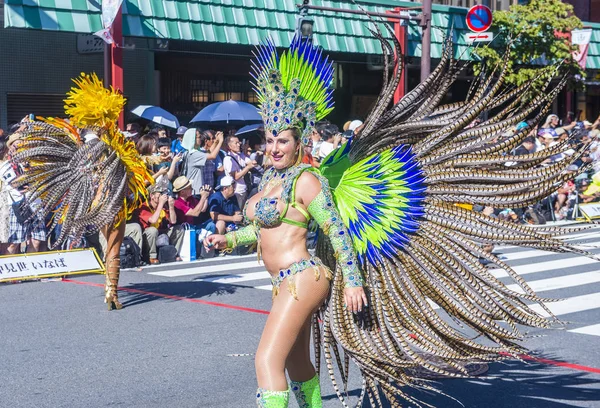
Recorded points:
(546,361)
(559,363)
(184,299)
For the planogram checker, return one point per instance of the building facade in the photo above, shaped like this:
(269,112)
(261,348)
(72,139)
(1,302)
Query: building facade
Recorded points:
(183,55)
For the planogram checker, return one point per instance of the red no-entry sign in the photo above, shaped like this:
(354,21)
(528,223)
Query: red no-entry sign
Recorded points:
(479,18)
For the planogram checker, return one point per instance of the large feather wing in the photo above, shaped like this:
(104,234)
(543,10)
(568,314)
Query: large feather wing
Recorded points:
(81,186)
(420,252)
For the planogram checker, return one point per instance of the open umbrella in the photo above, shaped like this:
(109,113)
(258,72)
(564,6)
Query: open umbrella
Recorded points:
(249,128)
(156,115)
(228,113)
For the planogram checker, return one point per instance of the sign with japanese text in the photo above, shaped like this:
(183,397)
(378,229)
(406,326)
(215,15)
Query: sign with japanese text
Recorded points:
(590,211)
(47,264)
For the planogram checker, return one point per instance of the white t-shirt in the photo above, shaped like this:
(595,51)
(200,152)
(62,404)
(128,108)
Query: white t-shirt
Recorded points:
(232,166)
(325,149)
(7,175)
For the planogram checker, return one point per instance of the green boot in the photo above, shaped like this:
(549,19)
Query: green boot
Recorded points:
(272,399)
(308,393)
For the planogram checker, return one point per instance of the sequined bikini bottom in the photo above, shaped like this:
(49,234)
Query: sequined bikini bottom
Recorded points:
(313,262)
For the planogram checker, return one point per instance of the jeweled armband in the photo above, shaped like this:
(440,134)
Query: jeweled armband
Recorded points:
(243,236)
(323,210)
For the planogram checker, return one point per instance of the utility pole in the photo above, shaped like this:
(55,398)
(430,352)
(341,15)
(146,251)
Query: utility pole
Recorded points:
(117,59)
(426,41)
(400,32)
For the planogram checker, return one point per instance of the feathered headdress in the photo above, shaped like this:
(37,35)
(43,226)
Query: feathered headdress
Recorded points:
(294,89)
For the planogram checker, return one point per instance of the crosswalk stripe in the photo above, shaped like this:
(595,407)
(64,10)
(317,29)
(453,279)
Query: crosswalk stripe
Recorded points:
(594,233)
(570,305)
(242,277)
(593,330)
(513,256)
(560,282)
(545,266)
(207,269)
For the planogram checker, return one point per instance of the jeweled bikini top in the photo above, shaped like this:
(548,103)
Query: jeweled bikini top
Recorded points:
(266,213)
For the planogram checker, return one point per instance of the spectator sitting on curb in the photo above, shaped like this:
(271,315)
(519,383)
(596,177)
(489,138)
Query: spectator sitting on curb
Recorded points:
(527,147)
(155,220)
(224,209)
(188,208)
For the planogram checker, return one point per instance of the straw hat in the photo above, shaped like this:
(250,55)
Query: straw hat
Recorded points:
(181,183)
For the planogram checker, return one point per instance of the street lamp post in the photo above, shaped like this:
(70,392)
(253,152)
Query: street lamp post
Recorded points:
(426,41)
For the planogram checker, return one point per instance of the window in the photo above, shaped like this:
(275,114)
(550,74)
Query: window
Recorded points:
(199,96)
(252,97)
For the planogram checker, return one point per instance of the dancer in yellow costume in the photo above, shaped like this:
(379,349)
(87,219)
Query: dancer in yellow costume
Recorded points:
(86,174)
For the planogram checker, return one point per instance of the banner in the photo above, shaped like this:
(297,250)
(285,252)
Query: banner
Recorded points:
(47,264)
(590,211)
(581,38)
(110,9)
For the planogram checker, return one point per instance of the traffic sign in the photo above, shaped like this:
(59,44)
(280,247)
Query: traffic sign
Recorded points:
(479,18)
(478,37)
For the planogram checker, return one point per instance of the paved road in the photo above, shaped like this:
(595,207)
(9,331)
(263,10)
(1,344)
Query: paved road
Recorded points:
(177,344)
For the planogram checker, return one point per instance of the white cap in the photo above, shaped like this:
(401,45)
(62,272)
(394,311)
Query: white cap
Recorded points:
(129,134)
(354,125)
(90,136)
(226,181)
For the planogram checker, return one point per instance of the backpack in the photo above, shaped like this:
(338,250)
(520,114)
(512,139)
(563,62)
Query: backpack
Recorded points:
(130,254)
(167,253)
(534,216)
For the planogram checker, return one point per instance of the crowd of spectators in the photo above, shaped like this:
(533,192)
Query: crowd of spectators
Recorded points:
(202,180)
(204,177)
(569,137)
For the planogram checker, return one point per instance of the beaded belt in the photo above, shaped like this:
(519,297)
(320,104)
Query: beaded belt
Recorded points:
(293,269)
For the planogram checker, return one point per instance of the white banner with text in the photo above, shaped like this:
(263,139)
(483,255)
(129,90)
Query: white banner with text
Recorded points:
(47,264)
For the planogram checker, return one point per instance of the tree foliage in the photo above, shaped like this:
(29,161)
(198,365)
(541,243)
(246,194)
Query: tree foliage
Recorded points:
(538,36)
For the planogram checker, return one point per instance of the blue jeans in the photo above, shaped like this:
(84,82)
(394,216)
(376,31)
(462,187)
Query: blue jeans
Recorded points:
(208,225)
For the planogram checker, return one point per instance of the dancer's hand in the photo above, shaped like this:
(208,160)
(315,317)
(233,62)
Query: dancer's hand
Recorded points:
(215,241)
(355,299)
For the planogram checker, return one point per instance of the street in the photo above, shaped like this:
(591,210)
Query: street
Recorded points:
(186,338)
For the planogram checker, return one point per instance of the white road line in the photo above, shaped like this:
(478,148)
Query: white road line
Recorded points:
(208,269)
(264,287)
(571,305)
(560,282)
(242,277)
(593,330)
(546,266)
(574,237)
(532,253)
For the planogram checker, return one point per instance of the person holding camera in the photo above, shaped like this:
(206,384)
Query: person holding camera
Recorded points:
(189,209)
(206,147)
(157,216)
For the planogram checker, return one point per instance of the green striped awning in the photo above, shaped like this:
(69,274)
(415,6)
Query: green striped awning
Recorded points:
(234,21)
(593,58)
